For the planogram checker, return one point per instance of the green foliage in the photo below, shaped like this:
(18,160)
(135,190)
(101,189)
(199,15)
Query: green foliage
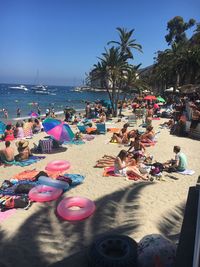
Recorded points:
(177,28)
(114,70)
(179,64)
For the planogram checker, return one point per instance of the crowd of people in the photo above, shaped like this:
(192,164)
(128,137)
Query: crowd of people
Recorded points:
(181,109)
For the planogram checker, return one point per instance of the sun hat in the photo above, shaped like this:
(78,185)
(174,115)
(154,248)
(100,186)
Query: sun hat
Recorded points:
(22,143)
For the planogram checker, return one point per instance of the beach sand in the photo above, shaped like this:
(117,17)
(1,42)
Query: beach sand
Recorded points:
(37,237)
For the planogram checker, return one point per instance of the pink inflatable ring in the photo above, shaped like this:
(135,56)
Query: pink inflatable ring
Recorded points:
(43,193)
(87,207)
(57,166)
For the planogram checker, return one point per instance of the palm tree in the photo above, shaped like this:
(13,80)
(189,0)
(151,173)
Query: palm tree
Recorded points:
(126,44)
(116,66)
(113,66)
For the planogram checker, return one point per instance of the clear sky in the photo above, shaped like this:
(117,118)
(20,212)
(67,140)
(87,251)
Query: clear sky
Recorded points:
(56,42)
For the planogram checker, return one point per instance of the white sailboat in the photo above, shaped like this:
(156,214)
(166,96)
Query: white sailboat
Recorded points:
(40,88)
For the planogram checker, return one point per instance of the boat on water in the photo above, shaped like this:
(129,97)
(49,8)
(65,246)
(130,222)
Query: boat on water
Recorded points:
(40,89)
(19,87)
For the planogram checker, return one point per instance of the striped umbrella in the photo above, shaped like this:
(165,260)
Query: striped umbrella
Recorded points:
(58,129)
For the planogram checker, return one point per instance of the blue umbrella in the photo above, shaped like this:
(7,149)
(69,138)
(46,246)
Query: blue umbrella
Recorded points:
(2,127)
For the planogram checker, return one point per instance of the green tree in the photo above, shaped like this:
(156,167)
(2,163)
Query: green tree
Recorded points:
(113,68)
(126,43)
(177,28)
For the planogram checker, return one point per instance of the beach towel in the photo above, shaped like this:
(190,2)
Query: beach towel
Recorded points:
(187,172)
(113,130)
(91,130)
(109,171)
(155,118)
(74,142)
(25,175)
(6,214)
(75,178)
(31,160)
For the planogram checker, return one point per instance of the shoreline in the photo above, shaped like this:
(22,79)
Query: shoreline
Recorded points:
(59,114)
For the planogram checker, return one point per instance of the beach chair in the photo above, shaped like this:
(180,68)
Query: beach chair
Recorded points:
(101,128)
(132,121)
(46,145)
(82,128)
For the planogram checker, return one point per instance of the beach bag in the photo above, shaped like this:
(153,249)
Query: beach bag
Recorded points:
(156,168)
(10,202)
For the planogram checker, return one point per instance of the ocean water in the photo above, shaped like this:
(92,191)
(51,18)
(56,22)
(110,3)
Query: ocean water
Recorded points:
(60,97)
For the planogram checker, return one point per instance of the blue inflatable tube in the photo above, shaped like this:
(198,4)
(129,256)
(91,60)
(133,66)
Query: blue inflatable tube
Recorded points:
(52,182)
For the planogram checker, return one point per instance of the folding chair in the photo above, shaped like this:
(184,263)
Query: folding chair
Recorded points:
(101,128)
(132,121)
(82,128)
(46,145)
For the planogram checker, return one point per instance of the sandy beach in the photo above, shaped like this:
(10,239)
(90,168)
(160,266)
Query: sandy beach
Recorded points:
(37,237)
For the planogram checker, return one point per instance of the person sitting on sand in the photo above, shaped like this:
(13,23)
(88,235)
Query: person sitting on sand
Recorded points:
(121,137)
(23,150)
(124,166)
(7,154)
(36,126)
(28,128)
(137,147)
(102,118)
(9,133)
(19,131)
(179,164)
(148,136)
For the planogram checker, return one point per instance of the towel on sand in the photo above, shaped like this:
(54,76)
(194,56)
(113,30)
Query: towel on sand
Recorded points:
(187,172)
(31,160)
(74,142)
(109,171)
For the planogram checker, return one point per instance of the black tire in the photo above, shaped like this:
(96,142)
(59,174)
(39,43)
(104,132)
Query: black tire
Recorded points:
(113,251)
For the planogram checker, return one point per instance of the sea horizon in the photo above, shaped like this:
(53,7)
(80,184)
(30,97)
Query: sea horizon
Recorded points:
(28,101)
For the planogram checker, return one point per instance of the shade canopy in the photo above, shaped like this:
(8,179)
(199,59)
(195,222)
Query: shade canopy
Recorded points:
(150,97)
(160,99)
(58,129)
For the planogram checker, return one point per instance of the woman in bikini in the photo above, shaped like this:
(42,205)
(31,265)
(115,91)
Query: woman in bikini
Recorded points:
(136,147)
(124,166)
(148,136)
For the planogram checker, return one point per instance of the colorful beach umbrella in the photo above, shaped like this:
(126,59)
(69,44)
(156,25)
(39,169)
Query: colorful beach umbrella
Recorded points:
(58,129)
(160,99)
(2,127)
(150,97)
(33,114)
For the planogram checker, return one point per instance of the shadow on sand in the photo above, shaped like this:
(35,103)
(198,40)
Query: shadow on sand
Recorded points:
(44,240)
(170,225)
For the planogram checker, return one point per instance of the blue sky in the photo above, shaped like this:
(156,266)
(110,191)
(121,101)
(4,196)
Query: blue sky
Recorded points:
(61,39)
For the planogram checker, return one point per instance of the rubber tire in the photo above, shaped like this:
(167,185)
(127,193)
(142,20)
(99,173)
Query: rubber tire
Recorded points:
(98,254)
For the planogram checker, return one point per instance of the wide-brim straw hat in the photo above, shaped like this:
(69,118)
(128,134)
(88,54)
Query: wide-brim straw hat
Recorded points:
(22,143)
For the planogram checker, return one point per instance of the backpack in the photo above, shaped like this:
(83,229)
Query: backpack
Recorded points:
(156,168)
